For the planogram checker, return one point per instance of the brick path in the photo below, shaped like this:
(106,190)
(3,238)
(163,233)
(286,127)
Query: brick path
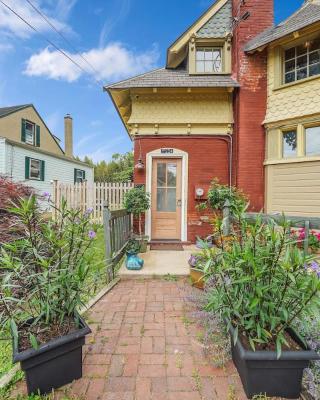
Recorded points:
(142,348)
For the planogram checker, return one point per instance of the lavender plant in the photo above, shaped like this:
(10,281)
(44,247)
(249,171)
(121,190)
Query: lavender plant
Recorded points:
(44,273)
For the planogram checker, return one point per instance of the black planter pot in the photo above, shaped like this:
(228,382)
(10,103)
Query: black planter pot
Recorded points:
(55,363)
(262,373)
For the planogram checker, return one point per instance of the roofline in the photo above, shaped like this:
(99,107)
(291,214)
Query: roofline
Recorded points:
(105,88)
(31,105)
(108,90)
(38,150)
(193,25)
(19,108)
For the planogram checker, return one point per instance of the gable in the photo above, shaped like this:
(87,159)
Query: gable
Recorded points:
(219,25)
(178,50)
(10,128)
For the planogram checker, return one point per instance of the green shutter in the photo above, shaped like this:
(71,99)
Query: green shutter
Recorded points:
(27,167)
(75,175)
(23,130)
(38,136)
(42,171)
(84,175)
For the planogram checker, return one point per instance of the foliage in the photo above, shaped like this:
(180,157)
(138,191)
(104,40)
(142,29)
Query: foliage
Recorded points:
(264,283)
(10,192)
(119,169)
(137,201)
(44,274)
(218,194)
(205,260)
(300,236)
(133,246)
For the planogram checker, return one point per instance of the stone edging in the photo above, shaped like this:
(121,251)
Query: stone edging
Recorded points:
(7,378)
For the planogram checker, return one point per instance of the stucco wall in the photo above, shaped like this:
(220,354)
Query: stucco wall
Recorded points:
(292,101)
(294,188)
(10,127)
(55,168)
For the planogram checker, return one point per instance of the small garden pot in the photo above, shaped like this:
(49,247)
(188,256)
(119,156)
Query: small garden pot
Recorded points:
(55,363)
(197,278)
(262,373)
(143,241)
(133,261)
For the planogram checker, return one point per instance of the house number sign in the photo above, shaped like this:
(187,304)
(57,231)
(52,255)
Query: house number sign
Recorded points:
(167,151)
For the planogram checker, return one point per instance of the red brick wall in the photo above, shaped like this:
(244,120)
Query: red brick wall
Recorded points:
(208,158)
(250,100)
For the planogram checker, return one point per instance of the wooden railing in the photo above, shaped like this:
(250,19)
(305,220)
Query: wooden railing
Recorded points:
(91,195)
(118,230)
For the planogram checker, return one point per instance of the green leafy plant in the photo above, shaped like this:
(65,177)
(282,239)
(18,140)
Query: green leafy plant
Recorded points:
(43,274)
(137,201)
(264,282)
(133,246)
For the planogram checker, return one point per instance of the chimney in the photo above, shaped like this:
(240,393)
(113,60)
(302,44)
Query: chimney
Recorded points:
(68,135)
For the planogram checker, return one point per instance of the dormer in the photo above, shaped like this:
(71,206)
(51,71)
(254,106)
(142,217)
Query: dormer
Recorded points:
(206,46)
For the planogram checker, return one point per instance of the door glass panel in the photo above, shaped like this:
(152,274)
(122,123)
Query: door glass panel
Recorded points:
(172,175)
(171,199)
(161,175)
(161,199)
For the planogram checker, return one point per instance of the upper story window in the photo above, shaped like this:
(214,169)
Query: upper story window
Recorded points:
(289,143)
(208,60)
(30,132)
(302,61)
(312,141)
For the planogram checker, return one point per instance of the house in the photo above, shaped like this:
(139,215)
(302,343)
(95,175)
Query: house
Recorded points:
(200,117)
(292,120)
(30,153)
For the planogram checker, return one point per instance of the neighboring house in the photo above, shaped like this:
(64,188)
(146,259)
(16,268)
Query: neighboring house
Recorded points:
(200,118)
(30,153)
(292,119)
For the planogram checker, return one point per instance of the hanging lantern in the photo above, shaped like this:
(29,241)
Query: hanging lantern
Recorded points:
(140,165)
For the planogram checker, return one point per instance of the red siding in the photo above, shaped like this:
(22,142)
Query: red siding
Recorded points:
(250,100)
(208,158)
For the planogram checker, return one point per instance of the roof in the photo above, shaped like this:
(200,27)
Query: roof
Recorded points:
(219,25)
(308,14)
(9,110)
(174,78)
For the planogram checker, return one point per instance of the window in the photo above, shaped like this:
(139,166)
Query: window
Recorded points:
(79,176)
(302,61)
(30,132)
(289,143)
(34,169)
(208,60)
(313,141)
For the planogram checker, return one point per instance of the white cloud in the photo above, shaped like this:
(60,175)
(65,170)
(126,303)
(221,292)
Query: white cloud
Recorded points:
(112,62)
(11,24)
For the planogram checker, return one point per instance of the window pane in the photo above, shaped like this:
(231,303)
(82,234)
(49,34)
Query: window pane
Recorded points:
(289,144)
(172,200)
(313,141)
(314,69)
(302,61)
(161,174)
(209,54)
(35,169)
(290,65)
(290,77)
(161,199)
(208,66)
(217,67)
(302,73)
(290,53)
(200,66)
(314,45)
(200,55)
(314,57)
(172,175)
(301,50)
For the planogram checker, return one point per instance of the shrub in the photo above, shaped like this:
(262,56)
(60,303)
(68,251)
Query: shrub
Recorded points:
(137,201)
(264,282)
(218,194)
(44,273)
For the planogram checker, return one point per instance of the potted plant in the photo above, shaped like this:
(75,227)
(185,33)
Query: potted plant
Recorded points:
(133,262)
(202,264)
(42,289)
(264,283)
(137,202)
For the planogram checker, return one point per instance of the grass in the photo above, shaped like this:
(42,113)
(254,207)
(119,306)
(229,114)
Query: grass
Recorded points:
(97,278)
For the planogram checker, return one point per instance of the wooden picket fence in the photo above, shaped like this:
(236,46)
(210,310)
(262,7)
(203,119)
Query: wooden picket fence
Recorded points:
(85,195)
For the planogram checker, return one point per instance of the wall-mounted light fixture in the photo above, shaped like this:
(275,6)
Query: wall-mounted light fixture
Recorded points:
(140,165)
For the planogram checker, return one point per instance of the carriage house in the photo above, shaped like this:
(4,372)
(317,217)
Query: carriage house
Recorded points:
(199,118)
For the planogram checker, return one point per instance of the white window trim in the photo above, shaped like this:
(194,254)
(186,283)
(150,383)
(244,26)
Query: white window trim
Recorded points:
(184,187)
(213,48)
(33,133)
(30,177)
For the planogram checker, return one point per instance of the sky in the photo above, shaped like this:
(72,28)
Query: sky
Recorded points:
(119,38)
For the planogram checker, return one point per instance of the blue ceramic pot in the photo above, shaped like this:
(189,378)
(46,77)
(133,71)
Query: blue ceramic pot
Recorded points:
(133,262)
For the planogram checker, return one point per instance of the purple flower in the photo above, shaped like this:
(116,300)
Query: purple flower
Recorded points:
(92,234)
(47,195)
(313,268)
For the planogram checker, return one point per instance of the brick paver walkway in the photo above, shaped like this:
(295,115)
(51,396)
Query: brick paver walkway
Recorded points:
(142,348)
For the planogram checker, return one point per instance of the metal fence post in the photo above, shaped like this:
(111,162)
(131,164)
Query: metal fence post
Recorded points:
(226,218)
(107,239)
